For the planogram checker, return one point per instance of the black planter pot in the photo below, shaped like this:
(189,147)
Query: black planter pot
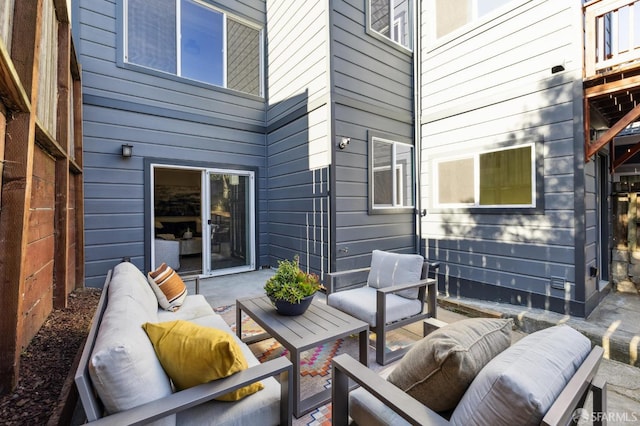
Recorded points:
(292,309)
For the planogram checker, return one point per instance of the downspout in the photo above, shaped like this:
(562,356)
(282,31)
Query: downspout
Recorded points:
(417,113)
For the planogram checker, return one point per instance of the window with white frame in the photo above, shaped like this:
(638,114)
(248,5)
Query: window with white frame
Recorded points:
(392,19)
(391,174)
(453,14)
(192,39)
(504,178)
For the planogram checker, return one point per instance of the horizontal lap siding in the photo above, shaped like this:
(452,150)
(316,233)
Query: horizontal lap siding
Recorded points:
(167,119)
(102,77)
(490,86)
(298,203)
(372,83)
(297,56)
(298,133)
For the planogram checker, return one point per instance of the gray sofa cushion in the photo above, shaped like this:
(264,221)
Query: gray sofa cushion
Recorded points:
(438,369)
(519,386)
(366,409)
(361,303)
(123,366)
(388,269)
(128,281)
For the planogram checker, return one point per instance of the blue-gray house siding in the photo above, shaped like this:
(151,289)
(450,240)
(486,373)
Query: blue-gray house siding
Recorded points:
(328,79)
(489,85)
(164,118)
(372,91)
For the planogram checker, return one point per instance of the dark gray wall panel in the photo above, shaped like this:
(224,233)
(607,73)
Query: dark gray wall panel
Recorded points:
(356,231)
(111,221)
(365,68)
(298,199)
(114,235)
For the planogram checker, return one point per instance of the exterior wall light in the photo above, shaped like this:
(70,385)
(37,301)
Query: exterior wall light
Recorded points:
(127,150)
(557,69)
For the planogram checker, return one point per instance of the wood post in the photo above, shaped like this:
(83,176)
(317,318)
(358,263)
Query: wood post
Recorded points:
(632,216)
(16,189)
(61,258)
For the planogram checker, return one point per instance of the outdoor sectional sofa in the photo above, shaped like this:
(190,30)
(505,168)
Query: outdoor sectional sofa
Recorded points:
(120,379)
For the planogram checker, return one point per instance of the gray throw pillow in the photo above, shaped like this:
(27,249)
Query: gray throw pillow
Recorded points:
(438,369)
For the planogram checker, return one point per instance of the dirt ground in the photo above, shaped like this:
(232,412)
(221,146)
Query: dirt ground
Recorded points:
(46,362)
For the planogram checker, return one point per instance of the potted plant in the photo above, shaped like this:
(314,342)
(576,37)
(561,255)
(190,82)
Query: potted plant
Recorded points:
(291,289)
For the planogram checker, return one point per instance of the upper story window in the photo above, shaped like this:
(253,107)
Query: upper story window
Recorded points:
(504,178)
(191,39)
(453,14)
(391,175)
(392,19)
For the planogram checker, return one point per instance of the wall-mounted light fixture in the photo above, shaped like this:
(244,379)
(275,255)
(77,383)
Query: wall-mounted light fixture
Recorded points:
(343,143)
(557,68)
(127,150)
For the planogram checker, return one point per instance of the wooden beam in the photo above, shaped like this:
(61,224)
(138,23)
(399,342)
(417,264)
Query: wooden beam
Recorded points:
(11,90)
(3,132)
(617,162)
(78,187)
(608,136)
(587,128)
(14,221)
(612,87)
(61,253)
(16,190)
(62,12)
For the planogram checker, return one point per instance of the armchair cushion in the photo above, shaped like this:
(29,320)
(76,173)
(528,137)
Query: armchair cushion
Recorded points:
(192,354)
(361,303)
(520,385)
(388,269)
(438,369)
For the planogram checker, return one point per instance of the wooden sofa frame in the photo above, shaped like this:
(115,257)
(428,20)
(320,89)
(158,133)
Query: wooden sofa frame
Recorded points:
(427,292)
(181,400)
(572,397)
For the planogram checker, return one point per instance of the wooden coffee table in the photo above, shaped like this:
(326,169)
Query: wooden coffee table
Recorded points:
(319,324)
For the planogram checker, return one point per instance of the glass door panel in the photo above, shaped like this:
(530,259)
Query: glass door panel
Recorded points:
(231,220)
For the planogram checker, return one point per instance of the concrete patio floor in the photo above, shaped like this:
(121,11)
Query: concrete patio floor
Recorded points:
(614,325)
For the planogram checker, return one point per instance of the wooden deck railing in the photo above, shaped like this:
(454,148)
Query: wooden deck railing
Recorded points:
(612,35)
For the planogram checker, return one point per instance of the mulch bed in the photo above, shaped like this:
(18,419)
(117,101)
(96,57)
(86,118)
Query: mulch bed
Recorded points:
(46,363)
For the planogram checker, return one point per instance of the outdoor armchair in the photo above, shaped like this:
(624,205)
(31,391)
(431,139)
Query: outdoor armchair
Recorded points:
(389,294)
(544,379)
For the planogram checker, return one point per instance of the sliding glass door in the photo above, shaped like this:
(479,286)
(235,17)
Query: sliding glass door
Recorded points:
(203,219)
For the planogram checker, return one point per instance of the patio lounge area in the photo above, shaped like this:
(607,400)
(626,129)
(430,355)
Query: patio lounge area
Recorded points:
(498,139)
(621,378)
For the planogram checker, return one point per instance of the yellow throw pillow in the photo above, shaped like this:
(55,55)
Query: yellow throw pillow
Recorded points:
(192,354)
(168,287)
